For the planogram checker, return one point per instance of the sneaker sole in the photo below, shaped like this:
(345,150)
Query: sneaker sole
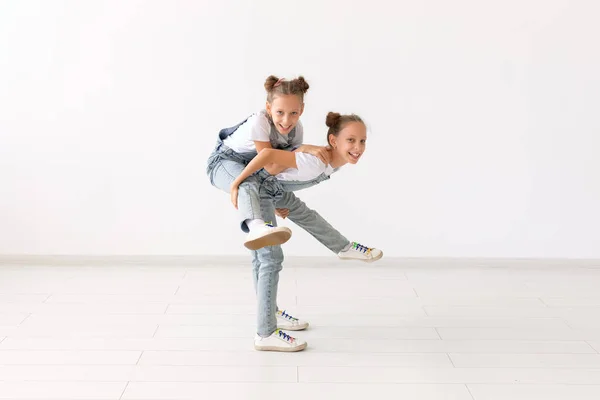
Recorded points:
(368,260)
(273,239)
(282,349)
(293,328)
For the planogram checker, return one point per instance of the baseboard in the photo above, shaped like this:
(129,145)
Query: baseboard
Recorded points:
(111,260)
(211,260)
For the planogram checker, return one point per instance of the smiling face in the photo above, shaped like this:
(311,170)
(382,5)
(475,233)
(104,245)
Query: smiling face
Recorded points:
(285,112)
(350,143)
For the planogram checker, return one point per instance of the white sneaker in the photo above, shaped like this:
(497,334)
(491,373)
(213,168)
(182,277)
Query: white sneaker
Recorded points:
(278,341)
(357,251)
(268,236)
(287,322)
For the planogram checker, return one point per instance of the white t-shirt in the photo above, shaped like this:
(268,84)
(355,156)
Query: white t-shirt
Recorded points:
(258,127)
(309,167)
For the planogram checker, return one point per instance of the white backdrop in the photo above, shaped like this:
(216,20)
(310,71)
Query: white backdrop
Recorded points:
(483,122)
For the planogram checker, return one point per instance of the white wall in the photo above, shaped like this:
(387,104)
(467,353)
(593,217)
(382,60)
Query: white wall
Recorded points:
(483,122)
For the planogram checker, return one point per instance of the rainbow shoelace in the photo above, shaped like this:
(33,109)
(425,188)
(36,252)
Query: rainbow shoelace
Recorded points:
(284,336)
(285,315)
(361,248)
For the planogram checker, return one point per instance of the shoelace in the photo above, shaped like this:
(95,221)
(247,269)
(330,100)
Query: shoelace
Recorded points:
(359,247)
(269,224)
(286,315)
(285,336)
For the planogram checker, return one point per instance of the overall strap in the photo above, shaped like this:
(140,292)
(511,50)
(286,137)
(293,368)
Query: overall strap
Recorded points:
(226,132)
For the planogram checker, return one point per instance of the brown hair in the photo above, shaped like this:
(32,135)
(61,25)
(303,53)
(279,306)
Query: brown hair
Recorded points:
(336,122)
(275,86)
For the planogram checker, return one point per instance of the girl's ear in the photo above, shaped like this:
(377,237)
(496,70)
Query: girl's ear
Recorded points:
(268,107)
(332,141)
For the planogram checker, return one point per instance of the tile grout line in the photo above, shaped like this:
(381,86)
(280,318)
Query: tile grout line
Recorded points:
(566,323)
(25,319)
(450,358)
(124,389)
(543,302)
(140,357)
(587,342)
(469,390)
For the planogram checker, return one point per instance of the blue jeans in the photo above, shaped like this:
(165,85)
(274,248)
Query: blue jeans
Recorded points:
(266,264)
(223,167)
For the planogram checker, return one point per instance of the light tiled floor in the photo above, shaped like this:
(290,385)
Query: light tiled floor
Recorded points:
(393,329)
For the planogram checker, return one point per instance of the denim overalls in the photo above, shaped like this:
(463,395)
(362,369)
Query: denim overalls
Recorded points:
(221,151)
(256,200)
(271,186)
(224,165)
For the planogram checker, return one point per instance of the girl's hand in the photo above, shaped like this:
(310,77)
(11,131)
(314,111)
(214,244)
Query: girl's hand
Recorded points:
(234,194)
(318,151)
(282,212)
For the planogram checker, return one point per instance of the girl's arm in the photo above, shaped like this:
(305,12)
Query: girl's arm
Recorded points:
(285,159)
(271,168)
(262,145)
(318,151)
(274,169)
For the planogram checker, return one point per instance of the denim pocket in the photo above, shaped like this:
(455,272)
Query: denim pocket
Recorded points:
(270,187)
